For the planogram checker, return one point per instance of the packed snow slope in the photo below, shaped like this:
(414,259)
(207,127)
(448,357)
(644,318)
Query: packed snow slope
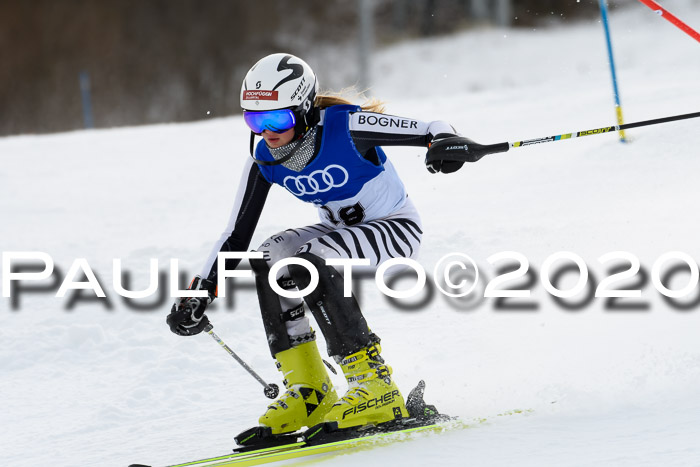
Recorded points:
(99,383)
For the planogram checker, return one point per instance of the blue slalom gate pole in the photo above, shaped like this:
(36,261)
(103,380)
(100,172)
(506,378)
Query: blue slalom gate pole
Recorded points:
(611,60)
(84,78)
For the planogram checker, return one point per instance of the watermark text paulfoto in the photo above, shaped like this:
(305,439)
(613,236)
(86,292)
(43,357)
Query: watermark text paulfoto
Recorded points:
(508,282)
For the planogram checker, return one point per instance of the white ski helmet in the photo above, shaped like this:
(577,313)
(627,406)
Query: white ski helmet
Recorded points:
(282,81)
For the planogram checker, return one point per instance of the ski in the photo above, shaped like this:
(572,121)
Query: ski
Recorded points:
(361,443)
(340,441)
(258,446)
(238,455)
(329,442)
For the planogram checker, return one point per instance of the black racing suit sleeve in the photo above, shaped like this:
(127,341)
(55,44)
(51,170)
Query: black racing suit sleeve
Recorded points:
(250,200)
(369,130)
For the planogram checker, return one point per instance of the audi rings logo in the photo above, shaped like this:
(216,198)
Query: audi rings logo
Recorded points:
(318,181)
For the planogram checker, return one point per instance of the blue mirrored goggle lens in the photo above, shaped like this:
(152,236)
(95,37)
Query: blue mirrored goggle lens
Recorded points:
(273,120)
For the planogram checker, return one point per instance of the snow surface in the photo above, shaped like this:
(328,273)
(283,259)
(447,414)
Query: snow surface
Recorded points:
(101,384)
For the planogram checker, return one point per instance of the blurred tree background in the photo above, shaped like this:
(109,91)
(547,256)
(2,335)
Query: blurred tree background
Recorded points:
(152,61)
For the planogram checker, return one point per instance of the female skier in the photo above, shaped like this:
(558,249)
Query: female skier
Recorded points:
(327,152)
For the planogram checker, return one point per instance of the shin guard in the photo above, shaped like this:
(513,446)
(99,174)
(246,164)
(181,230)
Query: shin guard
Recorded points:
(270,308)
(338,317)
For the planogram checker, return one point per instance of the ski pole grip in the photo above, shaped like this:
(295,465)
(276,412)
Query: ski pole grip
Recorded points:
(476,151)
(494,148)
(461,149)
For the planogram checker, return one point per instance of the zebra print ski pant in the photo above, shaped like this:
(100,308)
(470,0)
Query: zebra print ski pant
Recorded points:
(395,236)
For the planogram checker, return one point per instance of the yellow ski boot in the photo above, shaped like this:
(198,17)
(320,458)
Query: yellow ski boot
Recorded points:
(372,396)
(310,393)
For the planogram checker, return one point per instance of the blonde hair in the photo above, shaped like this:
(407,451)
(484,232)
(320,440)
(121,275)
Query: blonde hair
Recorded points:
(329,99)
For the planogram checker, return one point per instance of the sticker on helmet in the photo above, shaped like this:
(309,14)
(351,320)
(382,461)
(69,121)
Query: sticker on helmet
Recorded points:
(260,95)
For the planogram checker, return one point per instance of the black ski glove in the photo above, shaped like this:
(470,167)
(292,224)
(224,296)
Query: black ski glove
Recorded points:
(187,316)
(447,153)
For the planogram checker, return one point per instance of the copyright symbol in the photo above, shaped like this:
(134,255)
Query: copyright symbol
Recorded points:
(458,272)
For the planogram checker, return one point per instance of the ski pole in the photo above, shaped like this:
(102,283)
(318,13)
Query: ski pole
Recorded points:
(665,14)
(606,129)
(472,151)
(271,390)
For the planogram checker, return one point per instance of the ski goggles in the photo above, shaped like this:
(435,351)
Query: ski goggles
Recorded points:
(277,121)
